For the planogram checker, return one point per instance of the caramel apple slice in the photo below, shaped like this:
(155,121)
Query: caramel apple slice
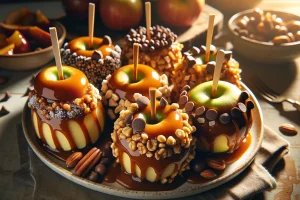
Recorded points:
(156,148)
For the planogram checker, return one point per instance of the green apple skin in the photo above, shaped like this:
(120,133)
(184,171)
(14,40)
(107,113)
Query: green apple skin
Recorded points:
(226,97)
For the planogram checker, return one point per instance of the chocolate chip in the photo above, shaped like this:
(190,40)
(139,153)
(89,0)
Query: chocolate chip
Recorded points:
(93,176)
(200,110)
(142,102)
(189,106)
(107,151)
(186,54)
(250,105)
(6,96)
(244,96)
(128,119)
(242,107)
(152,49)
(138,125)
(163,102)
(236,112)
(97,55)
(101,169)
(104,161)
(225,118)
(210,67)
(186,88)
(211,114)
(107,40)
(191,61)
(195,51)
(197,166)
(228,55)
(183,99)
(183,93)
(145,47)
(28,90)
(4,111)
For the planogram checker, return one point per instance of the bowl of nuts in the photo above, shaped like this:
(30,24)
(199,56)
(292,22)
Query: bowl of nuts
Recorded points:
(266,36)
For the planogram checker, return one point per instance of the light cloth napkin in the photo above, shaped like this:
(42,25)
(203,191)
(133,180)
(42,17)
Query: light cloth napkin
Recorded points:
(43,183)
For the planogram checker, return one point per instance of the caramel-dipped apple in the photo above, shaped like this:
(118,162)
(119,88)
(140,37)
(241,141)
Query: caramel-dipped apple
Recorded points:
(67,113)
(222,121)
(119,89)
(195,70)
(98,61)
(153,147)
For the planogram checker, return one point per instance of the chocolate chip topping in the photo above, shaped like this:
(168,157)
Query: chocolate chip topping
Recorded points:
(28,90)
(186,88)
(236,112)
(101,169)
(250,105)
(242,107)
(6,96)
(200,110)
(225,118)
(183,99)
(97,55)
(163,102)
(211,114)
(189,106)
(244,96)
(210,67)
(4,111)
(195,51)
(183,93)
(191,61)
(142,102)
(228,55)
(107,40)
(128,119)
(161,37)
(138,125)
(93,176)
(212,49)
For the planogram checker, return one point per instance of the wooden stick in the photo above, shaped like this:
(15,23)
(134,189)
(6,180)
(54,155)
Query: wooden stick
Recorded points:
(217,72)
(148,19)
(55,47)
(135,61)
(209,36)
(152,95)
(91,23)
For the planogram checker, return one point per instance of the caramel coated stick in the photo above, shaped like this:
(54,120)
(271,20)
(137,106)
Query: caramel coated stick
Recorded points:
(135,61)
(55,47)
(209,36)
(217,73)
(91,23)
(152,95)
(148,19)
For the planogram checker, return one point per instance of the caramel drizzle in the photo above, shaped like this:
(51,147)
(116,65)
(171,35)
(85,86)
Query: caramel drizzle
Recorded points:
(143,162)
(62,126)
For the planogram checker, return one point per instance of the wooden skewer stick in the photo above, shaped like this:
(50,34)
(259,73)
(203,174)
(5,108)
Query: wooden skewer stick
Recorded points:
(217,73)
(56,52)
(148,19)
(209,36)
(91,23)
(152,95)
(135,61)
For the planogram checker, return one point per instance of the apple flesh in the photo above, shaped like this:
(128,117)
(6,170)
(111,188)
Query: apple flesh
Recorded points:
(8,50)
(180,13)
(21,43)
(121,14)
(226,97)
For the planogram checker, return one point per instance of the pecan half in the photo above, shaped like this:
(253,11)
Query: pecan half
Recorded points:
(208,174)
(88,162)
(216,163)
(73,159)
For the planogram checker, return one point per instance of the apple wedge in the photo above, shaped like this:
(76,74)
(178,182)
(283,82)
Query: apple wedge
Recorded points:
(8,50)
(21,43)
(39,35)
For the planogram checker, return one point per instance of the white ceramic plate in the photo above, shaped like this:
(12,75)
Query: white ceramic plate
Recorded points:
(186,189)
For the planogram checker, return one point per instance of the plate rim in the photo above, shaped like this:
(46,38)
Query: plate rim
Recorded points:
(44,157)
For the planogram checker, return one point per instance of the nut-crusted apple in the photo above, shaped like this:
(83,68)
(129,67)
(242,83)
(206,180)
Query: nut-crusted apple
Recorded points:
(153,149)
(119,89)
(98,61)
(223,121)
(66,114)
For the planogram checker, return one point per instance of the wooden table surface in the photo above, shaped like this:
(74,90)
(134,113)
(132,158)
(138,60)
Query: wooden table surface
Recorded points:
(284,79)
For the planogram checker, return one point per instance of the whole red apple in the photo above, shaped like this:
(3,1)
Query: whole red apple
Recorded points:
(180,13)
(121,14)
